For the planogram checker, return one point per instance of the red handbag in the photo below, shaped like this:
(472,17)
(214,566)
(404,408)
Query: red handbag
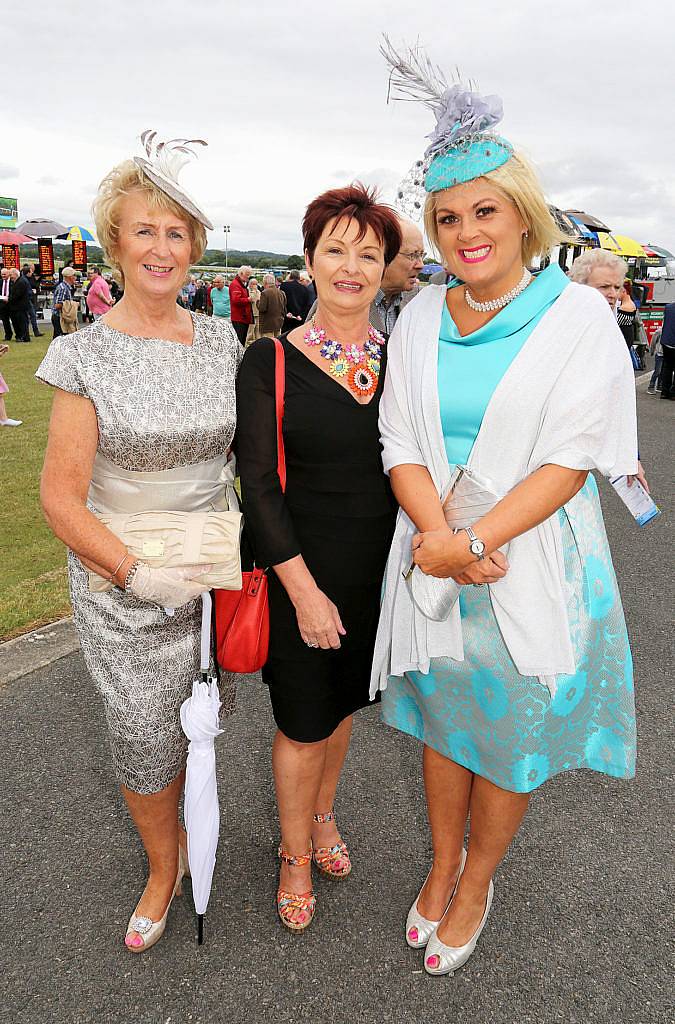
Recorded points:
(242,616)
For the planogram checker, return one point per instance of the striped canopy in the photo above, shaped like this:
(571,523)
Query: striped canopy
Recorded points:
(657,250)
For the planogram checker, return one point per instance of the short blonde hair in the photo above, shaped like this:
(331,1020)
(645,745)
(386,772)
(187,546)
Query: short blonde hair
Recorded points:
(123,180)
(518,182)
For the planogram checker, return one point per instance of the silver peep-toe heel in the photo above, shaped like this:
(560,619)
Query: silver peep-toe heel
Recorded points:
(417,928)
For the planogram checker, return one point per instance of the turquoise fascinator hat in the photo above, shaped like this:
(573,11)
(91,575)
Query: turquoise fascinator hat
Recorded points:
(463,145)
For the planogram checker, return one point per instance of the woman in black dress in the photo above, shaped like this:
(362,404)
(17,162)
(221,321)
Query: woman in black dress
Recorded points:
(327,537)
(626,312)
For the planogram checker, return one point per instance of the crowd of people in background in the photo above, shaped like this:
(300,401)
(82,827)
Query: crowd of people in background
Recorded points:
(241,299)
(278,304)
(253,308)
(607,273)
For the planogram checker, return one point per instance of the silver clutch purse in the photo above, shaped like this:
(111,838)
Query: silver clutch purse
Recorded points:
(467,499)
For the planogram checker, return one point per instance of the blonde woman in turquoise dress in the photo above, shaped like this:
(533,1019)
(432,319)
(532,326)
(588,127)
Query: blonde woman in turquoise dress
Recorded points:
(524,381)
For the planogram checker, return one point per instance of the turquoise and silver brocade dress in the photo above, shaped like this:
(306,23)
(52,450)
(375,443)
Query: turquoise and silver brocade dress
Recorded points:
(480,712)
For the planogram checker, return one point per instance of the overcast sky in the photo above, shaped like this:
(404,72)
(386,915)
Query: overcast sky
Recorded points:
(292,100)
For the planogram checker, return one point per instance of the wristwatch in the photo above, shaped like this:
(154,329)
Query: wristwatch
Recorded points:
(476,546)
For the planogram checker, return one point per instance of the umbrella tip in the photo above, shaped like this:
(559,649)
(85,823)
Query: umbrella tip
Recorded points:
(200,929)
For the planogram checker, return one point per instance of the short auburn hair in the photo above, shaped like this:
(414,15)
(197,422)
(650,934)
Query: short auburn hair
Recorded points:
(355,202)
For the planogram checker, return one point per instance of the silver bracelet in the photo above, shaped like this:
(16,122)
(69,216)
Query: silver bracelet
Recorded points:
(129,578)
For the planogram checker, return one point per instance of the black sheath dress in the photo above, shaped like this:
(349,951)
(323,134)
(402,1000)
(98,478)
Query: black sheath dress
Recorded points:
(338,512)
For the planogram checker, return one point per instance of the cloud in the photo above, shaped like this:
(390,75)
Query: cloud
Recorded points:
(385,179)
(631,199)
(49,180)
(292,106)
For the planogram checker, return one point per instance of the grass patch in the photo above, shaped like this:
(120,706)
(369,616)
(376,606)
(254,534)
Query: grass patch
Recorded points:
(35,582)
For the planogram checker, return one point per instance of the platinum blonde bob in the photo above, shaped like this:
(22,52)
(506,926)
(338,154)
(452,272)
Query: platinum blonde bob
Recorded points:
(518,182)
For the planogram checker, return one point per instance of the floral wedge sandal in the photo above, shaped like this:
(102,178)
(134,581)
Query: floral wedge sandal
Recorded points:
(288,903)
(331,860)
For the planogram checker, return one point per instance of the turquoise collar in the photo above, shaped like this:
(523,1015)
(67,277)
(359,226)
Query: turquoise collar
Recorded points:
(541,293)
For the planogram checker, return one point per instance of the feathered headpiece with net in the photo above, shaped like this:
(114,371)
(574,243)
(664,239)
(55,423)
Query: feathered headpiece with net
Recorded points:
(462,146)
(165,162)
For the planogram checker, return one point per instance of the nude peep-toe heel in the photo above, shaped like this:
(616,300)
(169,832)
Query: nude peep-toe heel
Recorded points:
(149,930)
(418,929)
(333,861)
(289,902)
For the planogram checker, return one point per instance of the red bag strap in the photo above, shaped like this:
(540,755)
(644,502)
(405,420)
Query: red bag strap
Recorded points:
(279,393)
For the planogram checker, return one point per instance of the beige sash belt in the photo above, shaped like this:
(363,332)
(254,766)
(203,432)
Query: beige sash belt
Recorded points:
(184,516)
(203,487)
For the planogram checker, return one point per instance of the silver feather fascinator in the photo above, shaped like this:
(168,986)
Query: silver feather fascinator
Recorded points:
(462,145)
(165,161)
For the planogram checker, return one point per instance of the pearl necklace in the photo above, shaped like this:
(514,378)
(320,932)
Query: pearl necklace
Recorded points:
(487,307)
(360,364)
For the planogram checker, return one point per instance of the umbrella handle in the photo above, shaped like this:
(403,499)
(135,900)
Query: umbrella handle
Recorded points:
(206,631)
(200,929)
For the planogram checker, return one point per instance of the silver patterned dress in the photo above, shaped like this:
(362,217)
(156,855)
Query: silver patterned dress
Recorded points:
(160,405)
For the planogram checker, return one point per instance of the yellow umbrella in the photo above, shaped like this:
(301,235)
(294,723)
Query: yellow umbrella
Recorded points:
(620,245)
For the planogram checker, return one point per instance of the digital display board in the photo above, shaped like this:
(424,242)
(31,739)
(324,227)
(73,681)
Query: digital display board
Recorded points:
(10,257)
(9,212)
(46,256)
(79,255)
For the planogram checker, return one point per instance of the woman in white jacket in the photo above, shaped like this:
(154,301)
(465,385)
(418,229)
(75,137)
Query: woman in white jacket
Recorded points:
(526,382)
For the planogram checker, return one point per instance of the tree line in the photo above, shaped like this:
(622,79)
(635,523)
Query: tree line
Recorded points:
(211,258)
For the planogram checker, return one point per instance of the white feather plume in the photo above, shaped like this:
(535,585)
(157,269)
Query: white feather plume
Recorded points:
(413,76)
(170,157)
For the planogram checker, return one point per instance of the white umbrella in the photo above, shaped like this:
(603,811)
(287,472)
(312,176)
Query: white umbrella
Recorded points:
(199,716)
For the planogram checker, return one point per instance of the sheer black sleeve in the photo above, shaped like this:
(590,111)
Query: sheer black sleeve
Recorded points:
(266,516)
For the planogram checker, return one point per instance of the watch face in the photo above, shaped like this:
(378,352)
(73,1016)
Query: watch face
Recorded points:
(477,547)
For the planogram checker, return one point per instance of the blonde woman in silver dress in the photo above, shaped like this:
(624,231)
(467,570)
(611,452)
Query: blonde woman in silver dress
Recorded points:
(143,418)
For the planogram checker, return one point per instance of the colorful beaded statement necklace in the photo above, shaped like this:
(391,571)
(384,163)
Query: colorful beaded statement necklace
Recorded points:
(361,365)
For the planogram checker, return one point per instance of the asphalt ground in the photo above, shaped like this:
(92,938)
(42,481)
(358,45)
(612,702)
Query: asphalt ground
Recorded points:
(581,925)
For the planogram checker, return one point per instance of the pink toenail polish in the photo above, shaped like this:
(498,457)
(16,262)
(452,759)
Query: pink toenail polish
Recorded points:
(413,935)
(433,962)
(137,941)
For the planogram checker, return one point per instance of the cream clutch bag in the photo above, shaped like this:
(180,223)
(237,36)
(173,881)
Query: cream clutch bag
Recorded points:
(173,539)
(467,499)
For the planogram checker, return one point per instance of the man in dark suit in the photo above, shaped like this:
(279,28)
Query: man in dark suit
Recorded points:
(20,296)
(28,271)
(668,346)
(298,301)
(4,303)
